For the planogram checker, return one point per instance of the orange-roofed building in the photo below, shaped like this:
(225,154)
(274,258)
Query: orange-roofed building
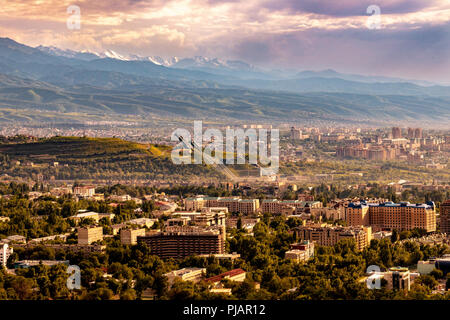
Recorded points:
(233,275)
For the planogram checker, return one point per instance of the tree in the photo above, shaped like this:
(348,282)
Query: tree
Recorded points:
(22,286)
(395,236)
(129,294)
(239,224)
(437,274)
(99,294)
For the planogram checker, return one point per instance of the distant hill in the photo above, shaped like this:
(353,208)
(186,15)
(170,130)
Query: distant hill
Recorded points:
(339,85)
(97,158)
(136,103)
(81,147)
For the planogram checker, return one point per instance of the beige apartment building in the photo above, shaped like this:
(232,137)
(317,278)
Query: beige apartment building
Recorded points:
(185,241)
(185,274)
(129,236)
(5,252)
(275,206)
(398,279)
(300,251)
(390,216)
(207,217)
(233,204)
(237,275)
(85,191)
(89,235)
(327,235)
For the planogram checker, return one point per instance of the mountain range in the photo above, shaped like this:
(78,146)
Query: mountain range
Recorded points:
(43,83)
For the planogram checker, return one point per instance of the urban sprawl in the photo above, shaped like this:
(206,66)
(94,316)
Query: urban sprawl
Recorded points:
(316,230)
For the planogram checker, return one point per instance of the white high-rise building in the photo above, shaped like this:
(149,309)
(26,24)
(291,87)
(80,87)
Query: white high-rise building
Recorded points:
(5,252)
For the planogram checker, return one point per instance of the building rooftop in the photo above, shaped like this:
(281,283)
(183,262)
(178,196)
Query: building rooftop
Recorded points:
(184,271)
(428,205)
(220,277)
(85,214)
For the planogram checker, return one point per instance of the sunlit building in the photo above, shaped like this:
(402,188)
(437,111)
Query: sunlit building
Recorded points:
(390,216)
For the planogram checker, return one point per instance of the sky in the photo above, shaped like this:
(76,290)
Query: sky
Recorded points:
(411,39)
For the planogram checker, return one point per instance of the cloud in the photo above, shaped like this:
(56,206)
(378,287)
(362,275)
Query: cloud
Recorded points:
(292,33)
(346,8)
(418,53)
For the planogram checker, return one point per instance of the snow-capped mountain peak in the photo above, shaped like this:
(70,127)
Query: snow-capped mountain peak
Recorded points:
(194,62)
(113,55)
(67,53)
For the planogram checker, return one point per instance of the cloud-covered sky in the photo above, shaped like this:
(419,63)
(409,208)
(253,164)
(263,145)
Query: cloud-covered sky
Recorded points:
(413,39)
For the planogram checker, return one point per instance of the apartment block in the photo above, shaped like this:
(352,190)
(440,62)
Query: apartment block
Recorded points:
(398,279)
(185,274)
(390,216)
(237,275)
(207,217)
(327,235)
(5,252)
(300,251)
(181,242)
(275,206)
(233,204)
(90,235)
(85,215)
(129,236)
(357,215)
(85,191)
(445,217)
(223,257)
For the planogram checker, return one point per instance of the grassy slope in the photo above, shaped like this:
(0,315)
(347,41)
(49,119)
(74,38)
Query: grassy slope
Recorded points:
(98,158)
(76,147)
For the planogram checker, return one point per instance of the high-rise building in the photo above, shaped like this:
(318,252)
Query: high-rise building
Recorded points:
(418,133)
(129,236)
(296,134)
(389,215)
(234,204)
(398,279)
(300,251)
(5,252)
(90,235)
(275,206)
(445,217)
(185,274)
(181,242)
(396,133)
(85,191)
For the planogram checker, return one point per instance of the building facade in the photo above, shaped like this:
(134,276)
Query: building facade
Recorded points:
(302,251)
(390,216)
(89,235)
(327,235)
(233,204)
(185,241)
(275,206)
(185,274)
(129,236)
(85,191)
(5,252)
(445,217)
